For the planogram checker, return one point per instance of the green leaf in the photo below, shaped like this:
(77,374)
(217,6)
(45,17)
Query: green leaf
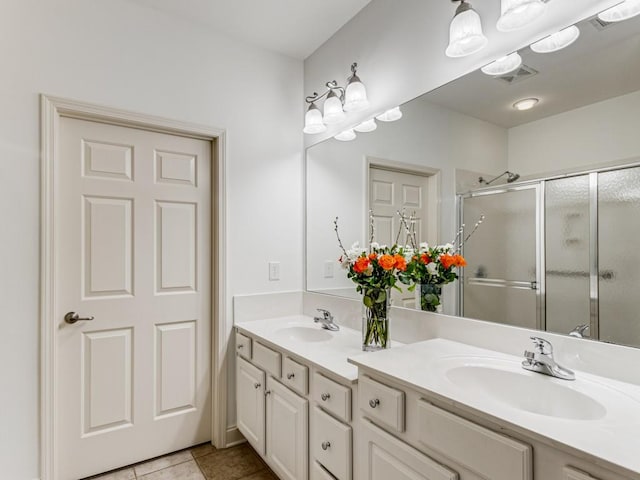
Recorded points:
(367,301)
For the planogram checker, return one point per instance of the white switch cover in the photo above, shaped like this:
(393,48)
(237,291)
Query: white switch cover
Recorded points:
(328,269)
(274,271)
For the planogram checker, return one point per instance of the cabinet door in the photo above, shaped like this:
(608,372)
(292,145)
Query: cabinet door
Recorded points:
(287,432)
(250,387)
(388,458)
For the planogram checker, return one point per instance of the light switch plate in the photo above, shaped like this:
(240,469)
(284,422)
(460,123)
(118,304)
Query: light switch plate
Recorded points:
(274,271)
(328,269)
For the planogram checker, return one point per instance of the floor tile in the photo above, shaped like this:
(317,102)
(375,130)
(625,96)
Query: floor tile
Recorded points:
(183,471)
(123,474)
(162,462)
(230,464)
(202,450)
(262,475)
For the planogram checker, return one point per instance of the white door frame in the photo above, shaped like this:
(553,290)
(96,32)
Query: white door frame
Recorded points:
(52,109)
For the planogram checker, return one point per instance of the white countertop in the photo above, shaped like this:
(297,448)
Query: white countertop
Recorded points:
(614,436)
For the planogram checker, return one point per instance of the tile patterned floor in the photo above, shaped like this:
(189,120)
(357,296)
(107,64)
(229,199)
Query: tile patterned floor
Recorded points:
(203,462)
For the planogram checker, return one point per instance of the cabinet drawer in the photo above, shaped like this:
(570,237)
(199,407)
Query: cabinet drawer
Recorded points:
(381,403)
(388,458)
(332,396)
(243,345)
(482,451)
(295,375)
(331,444)
(318,472)
(267,359)
(569,473)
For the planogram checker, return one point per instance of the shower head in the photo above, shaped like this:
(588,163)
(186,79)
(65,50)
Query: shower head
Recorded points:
(511,177)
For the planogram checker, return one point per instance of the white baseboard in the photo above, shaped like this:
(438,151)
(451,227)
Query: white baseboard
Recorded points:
(233,437)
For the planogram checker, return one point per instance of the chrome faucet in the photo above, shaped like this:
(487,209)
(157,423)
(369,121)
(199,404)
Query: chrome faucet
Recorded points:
(326,320)
(541,360)
(579,330)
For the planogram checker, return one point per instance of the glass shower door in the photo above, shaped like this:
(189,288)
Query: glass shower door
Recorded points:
(500,282)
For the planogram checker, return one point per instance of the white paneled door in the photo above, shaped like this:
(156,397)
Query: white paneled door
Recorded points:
(133,251)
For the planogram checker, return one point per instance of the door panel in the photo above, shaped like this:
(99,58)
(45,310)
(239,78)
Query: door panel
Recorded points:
(133,250)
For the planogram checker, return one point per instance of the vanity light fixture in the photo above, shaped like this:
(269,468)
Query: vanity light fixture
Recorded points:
(390,115)
(366,126)
(346,136)
(623,11)
(465,32)
(557,41)
(338,100)
(517,14)
(503,65)
(526,103)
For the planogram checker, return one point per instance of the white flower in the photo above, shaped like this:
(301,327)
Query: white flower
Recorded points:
(432,268)
(424,246)
(369,270)
(382,247)
(375,245)
(447,247)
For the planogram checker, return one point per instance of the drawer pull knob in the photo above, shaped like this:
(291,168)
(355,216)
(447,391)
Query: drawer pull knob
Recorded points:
(256,385)
(240,347)
(325,397)
(374,403)
(267,392)
(290,375)
(326,445)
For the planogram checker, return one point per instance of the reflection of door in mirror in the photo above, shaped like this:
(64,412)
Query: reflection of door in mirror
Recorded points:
(390,192)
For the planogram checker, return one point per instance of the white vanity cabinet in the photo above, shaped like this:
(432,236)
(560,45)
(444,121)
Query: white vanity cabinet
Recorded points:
(250,388)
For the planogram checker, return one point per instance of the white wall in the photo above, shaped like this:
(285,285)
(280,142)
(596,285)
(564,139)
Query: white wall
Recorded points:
(399,47)
(597,134)
(122,55)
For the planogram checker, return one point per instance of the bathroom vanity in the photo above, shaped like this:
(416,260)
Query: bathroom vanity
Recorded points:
(315,407)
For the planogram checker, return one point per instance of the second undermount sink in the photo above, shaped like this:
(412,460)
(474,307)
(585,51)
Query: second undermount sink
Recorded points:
(304,333)
(531,392)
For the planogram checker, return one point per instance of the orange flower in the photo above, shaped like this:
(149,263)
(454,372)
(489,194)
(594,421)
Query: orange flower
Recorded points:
(459,261)
(387,262)
(373,256)
(401,263)
(447,260)
(425,258)
(361,265)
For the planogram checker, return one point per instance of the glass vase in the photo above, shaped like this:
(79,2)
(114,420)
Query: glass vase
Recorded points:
(376,305)
(428,297)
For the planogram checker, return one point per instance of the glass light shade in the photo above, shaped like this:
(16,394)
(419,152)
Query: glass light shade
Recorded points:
(518,14)
(557,41)
(390,115)
(355,96)
(526,104)
(503,65)
(366,126)
(465,34)
(346,136)
(622,11)
(313,120)
(333,112)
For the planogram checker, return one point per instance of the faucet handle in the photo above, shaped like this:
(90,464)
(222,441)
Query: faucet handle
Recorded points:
(326,314)
(542,346)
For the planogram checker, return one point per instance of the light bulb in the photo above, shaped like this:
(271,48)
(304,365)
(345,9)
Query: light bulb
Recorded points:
(346,136)
(622,11)
(557,41)
(390,115)
(518,14)
(503,65)
(333,112)
(465,33)
(313,120)
(526,104)
(355,96)
(366,126)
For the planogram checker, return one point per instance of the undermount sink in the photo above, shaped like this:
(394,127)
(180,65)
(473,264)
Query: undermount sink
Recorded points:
(531,392)
(304,334)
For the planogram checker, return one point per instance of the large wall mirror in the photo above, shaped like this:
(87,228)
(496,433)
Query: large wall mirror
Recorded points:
(558,247)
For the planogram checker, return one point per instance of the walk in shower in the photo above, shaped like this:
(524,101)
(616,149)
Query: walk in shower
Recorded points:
(557,253)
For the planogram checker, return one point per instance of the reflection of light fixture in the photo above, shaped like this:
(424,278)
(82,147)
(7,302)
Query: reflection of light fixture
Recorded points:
(622,11)
(338,100)
(390,115)
(557,41)
(525,104)
(346,136)
(313,120)
(516,14)
(465,32)
(503,65)
(366,126)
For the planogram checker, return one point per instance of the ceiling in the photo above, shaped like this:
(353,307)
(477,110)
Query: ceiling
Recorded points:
(295,28)
(601,64)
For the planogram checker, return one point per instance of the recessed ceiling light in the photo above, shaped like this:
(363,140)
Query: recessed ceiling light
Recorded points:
(346,136)
(503,65)
(557,41)
(525,104)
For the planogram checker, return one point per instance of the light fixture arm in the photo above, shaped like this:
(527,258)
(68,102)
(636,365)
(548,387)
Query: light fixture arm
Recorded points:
(331,86)
(510,174)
